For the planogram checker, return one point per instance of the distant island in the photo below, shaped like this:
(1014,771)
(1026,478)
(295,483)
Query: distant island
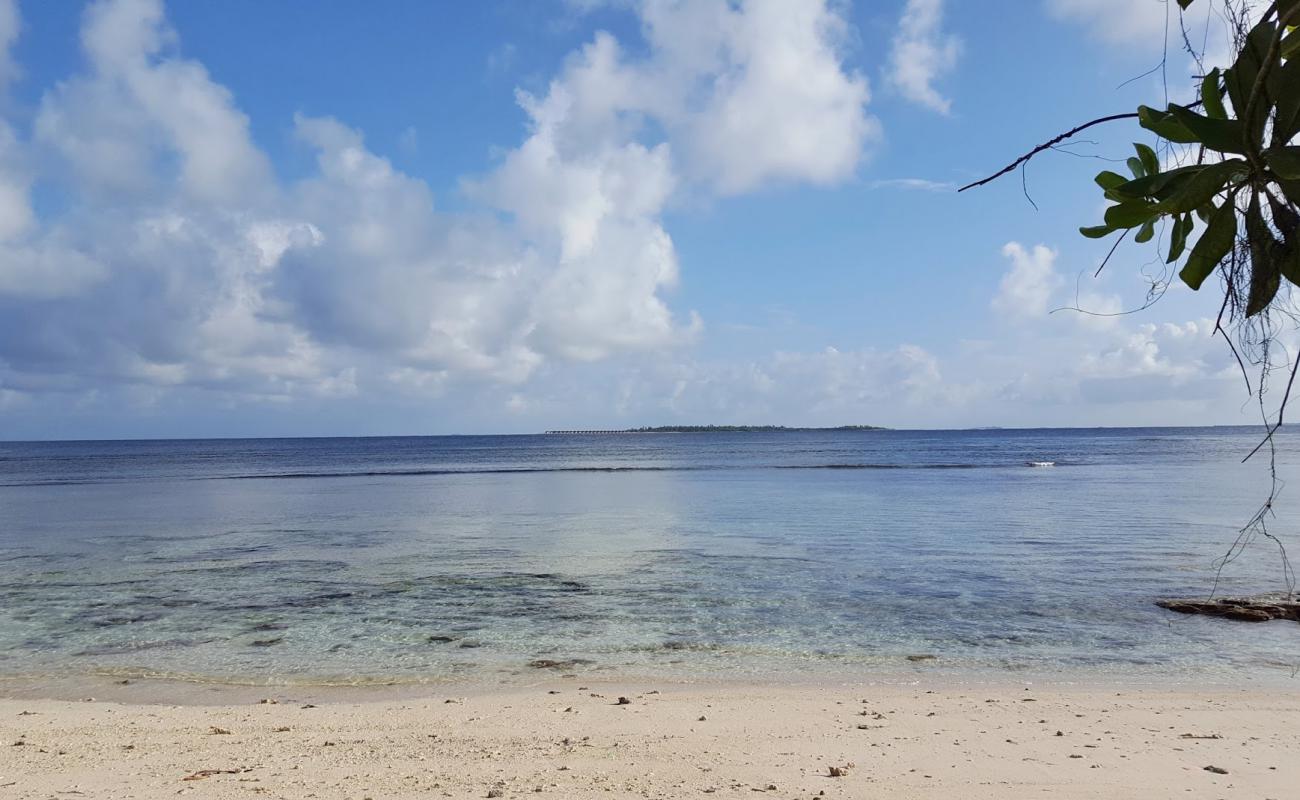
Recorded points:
(723,429)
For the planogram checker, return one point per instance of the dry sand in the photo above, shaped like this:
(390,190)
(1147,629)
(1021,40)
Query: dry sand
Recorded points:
(573,739)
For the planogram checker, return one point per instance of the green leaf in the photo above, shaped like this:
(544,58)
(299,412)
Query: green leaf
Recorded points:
(1285,219)
(1147,231)
(1163,124)
(1292,191)
(1224,135)
(1265,277)
(1160,187)
(1129,215)
(1284,161)
(1150,162)
(1202,187)
(1213,246)
(1286,93)
(1178,237)
(1289,265)
(1212,96)
(1265,280)
(1291,44)
(1097,231)
(1240,79)
(1109,180)
(1135,166)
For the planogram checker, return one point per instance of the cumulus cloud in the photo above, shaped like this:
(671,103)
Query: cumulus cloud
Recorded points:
(748,93)
(922,53)
(831,386)
(1121,22)
(182,260)
(9,25)
(1130,371)
(778,103)
(1153,349)
(1087,368)
(1028,285)
(915,184)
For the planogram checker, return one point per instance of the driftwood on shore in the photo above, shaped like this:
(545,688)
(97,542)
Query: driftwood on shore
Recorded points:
(1247,609)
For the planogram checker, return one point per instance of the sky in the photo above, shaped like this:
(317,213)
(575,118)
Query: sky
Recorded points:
(304,219)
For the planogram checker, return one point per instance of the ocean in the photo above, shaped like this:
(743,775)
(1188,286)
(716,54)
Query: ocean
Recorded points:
(750,555)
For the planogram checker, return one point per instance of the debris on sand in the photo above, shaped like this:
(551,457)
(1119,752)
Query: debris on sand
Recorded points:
(208,773)
(623,701)
(1216,770)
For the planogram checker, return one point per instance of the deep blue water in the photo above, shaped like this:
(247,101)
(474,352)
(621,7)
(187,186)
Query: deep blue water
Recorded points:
(754,554)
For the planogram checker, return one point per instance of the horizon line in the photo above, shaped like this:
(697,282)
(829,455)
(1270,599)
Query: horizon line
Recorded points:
(577,432)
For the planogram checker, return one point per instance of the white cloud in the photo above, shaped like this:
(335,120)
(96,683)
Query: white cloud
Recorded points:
(182,266)
(1049,370)
(922,53)
(917,184)
(1028,285)
(1121,22)
(16,216)
(1153,349)
(826,387)
(748,93)
(137,99)
(9,28)
(779,105)
(183,261)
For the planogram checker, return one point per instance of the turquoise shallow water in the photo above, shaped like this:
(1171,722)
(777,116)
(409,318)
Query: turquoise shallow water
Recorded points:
(746,555)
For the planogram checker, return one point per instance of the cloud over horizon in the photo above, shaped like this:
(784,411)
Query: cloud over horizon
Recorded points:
(181,259)
(155,256)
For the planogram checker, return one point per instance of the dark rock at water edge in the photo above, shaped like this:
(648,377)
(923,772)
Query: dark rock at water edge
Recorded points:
(1247,609)
(568,663)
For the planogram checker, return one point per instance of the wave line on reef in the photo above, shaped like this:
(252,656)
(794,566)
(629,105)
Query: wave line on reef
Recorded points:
(434,471)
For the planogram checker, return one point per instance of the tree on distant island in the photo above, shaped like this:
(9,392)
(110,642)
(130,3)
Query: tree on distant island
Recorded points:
(1221,191)
(744,428)
(725,429)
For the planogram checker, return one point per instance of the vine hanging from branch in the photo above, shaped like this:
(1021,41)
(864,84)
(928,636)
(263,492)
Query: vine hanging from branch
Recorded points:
(1234,210)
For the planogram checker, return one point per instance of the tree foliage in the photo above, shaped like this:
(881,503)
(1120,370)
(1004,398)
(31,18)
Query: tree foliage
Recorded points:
(1235,208)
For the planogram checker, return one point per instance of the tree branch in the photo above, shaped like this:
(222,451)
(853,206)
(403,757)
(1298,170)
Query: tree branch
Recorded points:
(1046,146)
(1055,141)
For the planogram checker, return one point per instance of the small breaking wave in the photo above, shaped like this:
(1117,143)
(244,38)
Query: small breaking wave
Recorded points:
(587,469)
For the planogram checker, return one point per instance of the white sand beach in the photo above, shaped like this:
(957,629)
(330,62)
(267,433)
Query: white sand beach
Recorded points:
(574,738)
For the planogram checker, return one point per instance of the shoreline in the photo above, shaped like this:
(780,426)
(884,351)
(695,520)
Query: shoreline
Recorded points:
(581,738)
(132,688)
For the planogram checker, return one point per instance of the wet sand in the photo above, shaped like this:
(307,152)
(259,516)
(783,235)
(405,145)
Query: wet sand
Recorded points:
(575,738)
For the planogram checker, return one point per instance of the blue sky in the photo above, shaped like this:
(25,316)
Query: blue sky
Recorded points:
(300,218)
